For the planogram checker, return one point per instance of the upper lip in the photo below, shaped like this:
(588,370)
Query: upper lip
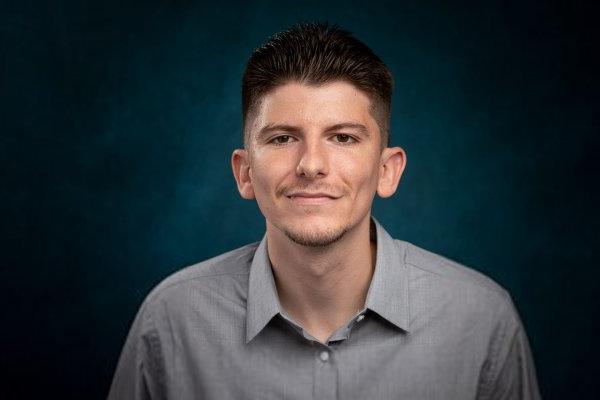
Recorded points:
(310,194)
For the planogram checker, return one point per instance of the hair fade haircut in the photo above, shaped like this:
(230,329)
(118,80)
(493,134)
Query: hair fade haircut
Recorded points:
(316,54)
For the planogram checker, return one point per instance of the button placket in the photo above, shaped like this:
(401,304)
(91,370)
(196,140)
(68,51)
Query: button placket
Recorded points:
(325,374)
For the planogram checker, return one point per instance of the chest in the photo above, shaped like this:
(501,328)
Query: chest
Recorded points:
(373,363)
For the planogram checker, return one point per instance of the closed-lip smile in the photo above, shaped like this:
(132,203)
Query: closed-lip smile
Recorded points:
(308,198)
(310,195)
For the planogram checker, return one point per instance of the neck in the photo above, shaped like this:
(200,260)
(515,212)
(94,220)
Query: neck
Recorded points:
(322,288)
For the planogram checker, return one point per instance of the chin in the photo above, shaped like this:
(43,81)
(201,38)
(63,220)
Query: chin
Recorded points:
(312,233)
(315,239)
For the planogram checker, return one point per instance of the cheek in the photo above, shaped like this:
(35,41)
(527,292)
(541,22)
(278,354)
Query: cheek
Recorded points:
(360,174)
(267,175)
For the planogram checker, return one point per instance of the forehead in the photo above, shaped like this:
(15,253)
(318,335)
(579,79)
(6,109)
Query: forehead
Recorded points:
(305,105)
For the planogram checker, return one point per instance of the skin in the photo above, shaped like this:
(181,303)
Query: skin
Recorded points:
(314,162)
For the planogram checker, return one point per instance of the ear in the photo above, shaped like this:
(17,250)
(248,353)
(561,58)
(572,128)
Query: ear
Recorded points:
(241,171)
(393,162)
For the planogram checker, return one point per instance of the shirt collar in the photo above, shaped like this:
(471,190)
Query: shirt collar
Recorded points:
(263,302)
(388,292)
(387,295)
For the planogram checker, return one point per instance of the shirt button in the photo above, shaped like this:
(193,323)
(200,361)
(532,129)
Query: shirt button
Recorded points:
(324,356)
(360,318)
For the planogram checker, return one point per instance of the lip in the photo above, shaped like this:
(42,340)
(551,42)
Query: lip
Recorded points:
(306,198)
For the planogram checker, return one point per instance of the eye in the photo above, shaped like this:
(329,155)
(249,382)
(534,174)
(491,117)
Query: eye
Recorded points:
(343,138)
(283,139)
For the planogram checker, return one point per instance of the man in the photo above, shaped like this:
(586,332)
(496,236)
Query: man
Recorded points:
(327,305)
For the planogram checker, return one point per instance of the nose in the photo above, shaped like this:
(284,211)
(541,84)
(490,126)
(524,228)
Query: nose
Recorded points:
(313,161)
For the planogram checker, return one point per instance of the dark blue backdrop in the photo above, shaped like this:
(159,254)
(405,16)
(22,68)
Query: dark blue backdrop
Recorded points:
(118,119)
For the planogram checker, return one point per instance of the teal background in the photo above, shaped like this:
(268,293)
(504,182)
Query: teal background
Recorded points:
(118,119)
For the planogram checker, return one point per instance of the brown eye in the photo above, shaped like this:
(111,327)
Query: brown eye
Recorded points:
(341,138)
(282,139)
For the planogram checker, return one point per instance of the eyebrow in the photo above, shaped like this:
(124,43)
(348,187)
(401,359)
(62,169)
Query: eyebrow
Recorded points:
(291,128)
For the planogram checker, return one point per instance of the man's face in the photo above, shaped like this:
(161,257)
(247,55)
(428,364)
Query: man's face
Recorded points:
(314,160)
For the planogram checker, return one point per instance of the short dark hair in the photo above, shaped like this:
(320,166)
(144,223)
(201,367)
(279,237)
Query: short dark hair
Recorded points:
(316,54)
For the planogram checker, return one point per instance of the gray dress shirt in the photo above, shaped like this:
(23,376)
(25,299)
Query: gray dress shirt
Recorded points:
(430,329)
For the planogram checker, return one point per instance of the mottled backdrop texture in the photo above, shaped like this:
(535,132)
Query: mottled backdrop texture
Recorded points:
(118,118)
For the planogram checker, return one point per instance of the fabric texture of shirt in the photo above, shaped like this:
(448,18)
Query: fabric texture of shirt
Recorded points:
(430,329)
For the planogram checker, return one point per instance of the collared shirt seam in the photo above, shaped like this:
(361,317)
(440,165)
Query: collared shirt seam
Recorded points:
(496,365)
(469,282)
(160,289)
(156,352)
(172,335)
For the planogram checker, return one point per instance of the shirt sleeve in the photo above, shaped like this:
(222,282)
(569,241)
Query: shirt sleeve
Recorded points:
(511,374)
(140,373)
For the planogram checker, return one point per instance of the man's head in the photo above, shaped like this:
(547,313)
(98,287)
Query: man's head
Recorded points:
(315,153)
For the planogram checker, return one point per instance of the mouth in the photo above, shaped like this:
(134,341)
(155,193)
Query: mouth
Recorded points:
(305,198)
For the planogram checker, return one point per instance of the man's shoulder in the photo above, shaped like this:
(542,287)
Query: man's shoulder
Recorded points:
(436,278)
(448,270)
(445,289)
(232,266)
